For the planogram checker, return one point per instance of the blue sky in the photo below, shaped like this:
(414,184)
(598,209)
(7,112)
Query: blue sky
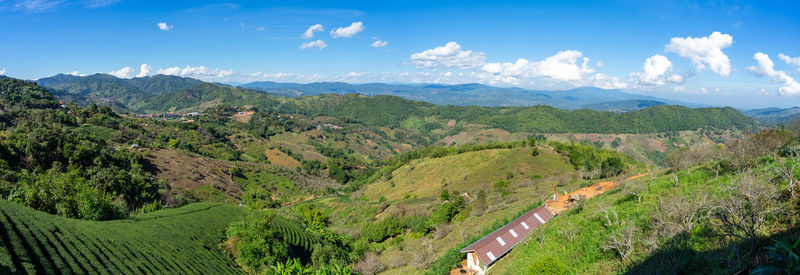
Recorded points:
(698,51)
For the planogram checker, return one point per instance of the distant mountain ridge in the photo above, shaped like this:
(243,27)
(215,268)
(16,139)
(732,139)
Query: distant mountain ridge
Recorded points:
(774,115)
(141,93)
(474,94)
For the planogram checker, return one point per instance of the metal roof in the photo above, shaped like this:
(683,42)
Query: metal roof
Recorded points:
(499,242)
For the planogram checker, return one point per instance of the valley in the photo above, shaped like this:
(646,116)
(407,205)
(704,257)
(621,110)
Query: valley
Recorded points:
(258,183)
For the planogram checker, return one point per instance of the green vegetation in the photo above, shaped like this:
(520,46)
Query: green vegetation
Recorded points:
(713,218)
(182,240)
(341,184)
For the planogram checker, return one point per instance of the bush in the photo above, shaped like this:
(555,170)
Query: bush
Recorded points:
(446,211)
(444,195)
(547,265)
(418,224)
(380,231)
(502,187)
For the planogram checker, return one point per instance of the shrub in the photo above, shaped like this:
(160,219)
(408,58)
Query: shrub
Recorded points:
(444,195)
(379,231)
(502,187)
(547,265)
(446,211)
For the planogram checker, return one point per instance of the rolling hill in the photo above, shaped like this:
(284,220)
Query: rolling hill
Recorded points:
(183,240)
(119,93)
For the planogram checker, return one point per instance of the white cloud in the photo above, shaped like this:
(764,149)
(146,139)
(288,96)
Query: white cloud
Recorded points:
(379,44)
(561,67)
(260,29)
(765,67)
(126,72)
(144,70)
(704,51)
(164,27)
(449,55)
(319,44)
(200,72)
(3,71)
(794,61)
(91,4)
(309,33)
(76,73)
(349,31)
(600,64)
(36,5)
(606,82)
(654,72)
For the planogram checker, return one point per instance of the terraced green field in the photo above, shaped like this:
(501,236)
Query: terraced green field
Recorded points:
(175,241)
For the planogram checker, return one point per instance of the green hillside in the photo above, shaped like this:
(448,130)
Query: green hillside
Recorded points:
(393,111)
(119,93)
(176,241)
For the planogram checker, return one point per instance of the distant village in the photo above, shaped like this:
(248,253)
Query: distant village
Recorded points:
(186,117)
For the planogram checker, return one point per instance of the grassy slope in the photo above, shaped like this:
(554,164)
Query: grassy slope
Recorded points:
(585,255)
(481,168)
(177,241)
(466,172)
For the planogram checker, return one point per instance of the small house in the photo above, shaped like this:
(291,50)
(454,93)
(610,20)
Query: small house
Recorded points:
(486,251)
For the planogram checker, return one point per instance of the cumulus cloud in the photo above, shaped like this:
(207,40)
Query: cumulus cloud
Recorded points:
(654,72)
(450,55)
(566,67)
(309,33)
(319,44)
(144,70)
(164,27)
(705,52)
(561,67)
(200,72)
(3,71)
(76,73)
(794,61)
(126,72)
(766,68)
(379,44)
(349,31)
(260,29)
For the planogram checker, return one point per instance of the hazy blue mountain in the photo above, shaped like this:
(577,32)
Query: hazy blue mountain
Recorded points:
(774,115)
(623,105)
(470,94)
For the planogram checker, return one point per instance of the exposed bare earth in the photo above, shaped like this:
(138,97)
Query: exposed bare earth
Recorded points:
(563,202)
(187,172)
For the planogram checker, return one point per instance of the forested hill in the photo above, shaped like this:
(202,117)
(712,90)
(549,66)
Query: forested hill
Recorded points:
(395,111)
(168,93)
(116,92)
(17,94)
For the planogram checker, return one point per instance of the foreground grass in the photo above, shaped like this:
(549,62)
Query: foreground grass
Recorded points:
(572,243)
(175,241)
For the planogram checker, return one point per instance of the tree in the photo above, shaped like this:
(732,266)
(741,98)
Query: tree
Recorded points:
(742,214)
(622,240)
(787,169)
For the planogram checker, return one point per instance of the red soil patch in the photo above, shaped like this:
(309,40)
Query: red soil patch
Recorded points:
(563,202)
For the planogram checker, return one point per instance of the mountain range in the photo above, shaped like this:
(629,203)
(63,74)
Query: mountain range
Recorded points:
(478,94)
(148,94)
